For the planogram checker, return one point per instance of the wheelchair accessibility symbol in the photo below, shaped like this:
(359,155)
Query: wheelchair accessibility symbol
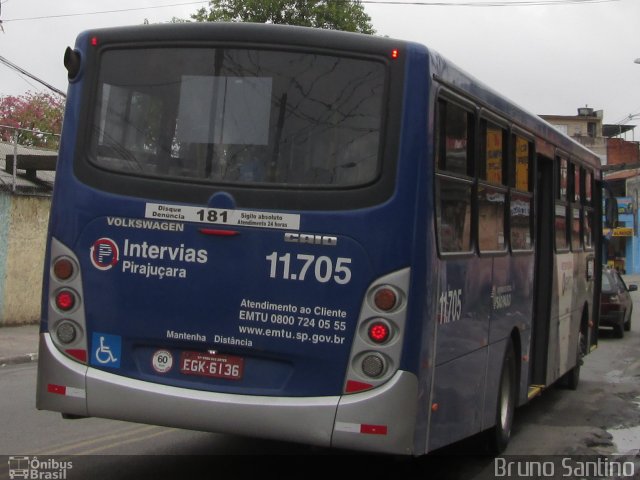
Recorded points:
(106,350)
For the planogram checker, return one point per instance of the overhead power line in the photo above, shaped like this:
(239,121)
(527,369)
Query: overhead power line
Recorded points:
(503,3)
(629,117)
(22,71)
(102,12)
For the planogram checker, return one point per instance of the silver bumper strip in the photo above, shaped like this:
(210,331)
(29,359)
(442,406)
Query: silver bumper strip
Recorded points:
(309,420)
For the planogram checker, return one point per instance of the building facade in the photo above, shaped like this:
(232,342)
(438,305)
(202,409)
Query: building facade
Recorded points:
(621,164)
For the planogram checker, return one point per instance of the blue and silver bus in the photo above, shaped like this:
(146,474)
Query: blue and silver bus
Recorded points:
(313,236)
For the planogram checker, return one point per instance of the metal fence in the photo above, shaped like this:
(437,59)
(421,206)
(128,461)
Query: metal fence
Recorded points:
(34,153)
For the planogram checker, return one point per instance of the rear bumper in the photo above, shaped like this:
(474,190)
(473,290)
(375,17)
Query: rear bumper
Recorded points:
(379,420)
(611,318)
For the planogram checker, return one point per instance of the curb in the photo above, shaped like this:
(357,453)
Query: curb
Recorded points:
(18,359)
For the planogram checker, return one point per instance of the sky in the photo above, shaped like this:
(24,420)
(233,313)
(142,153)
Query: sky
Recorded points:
(551,57)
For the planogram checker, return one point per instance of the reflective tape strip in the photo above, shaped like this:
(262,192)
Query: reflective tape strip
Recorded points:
(76,392)
(58,389)
(374,429)
(361,428)
(347,427)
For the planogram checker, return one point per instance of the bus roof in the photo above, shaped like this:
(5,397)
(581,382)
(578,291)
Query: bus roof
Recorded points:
(263,34)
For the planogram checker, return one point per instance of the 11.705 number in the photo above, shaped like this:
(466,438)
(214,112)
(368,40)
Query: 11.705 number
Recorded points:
(303,266)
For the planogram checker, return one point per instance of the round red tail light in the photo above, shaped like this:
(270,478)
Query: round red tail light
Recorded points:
(65,300)
(379,332)
(63,268)
(385,299)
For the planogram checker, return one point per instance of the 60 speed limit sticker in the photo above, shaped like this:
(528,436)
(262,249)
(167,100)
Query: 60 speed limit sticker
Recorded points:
(162,361)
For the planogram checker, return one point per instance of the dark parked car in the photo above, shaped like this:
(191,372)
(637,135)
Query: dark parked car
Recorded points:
(616,305)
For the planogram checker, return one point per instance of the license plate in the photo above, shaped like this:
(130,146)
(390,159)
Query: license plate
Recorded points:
(211,365)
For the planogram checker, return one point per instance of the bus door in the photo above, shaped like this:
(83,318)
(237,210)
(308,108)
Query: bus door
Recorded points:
(543,270)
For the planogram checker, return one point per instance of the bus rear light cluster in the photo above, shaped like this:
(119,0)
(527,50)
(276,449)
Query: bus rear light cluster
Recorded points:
(377,345)
(65,316)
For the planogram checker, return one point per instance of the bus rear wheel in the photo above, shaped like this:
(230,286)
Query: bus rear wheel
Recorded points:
(572,377)
(498,437)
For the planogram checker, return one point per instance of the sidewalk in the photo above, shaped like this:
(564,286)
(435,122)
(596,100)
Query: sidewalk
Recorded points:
(18,344)
(631,278)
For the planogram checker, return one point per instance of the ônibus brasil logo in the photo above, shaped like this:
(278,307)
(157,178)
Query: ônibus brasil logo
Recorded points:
(104,254)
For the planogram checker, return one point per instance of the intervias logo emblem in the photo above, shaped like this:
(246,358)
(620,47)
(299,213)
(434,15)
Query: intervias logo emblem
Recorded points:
(38,469)
(104,254)
(146,259)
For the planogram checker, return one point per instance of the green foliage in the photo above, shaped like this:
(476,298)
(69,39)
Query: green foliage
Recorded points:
(346,15)
(37,115)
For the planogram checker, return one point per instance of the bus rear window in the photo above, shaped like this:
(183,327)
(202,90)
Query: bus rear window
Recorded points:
(238,116)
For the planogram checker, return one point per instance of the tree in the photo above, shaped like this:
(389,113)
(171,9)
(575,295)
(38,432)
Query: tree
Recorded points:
(38,115)
(346,15)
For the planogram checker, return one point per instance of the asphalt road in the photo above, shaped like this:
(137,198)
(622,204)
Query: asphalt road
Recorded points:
(601,417)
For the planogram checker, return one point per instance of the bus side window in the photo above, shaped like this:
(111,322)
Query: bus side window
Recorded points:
(576,222)
(561,228)
(574,206)
(455,139)
(588,215)
(521,196)
(453,181)
(561,206)
(492,192)
(454,216)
